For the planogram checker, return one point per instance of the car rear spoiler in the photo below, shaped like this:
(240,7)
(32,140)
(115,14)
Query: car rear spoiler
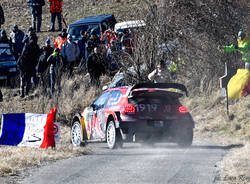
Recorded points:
(160,85)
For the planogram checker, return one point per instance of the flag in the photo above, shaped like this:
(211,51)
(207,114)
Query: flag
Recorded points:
(239,84)
(28,129)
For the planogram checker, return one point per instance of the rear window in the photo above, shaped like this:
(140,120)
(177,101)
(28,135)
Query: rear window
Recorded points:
(154,98)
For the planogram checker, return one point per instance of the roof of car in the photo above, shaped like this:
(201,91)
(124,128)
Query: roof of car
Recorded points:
(93,19)
(122,89)
(129,24)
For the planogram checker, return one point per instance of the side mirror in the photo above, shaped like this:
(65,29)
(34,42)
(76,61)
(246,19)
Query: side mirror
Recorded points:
(104,88)
(93,106)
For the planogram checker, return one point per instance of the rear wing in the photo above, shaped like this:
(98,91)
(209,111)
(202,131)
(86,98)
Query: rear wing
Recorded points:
(160,85)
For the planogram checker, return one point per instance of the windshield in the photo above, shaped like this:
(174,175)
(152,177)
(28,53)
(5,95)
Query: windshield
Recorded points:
(5,54)
(75,30)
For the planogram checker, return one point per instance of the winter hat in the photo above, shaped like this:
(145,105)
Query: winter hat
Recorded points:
(242,33)
(15,27)
(47,41)
(30,29)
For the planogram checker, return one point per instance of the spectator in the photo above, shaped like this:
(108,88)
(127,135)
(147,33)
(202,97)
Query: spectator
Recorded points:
(70,54)
(93,42)
(31,33)
(2,20)
(160,74)
(243,46)
(27,63)
(56,11)
(42,66)
(108,36)
(61,39)
(127,41)
(172,68)
(95,66)
(36,12)
(112,63)
(5,40)
(55,63)
(82,42)
(17,40)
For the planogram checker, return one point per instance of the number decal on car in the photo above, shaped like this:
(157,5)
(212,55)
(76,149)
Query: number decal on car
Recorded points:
(146,107)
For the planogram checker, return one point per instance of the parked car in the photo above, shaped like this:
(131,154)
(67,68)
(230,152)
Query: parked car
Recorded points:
(133,24)
(146,113)
(97,23)
(8,65)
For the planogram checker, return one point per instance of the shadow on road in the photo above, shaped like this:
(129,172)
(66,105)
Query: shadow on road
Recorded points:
(158,148)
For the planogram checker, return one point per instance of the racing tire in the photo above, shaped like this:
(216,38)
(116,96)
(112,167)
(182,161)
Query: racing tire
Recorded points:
(76,134)
(113,136)
(186,138)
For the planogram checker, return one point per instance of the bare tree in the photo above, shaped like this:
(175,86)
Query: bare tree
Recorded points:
(195,29)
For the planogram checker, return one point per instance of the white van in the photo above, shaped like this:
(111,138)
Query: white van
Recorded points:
(134,24)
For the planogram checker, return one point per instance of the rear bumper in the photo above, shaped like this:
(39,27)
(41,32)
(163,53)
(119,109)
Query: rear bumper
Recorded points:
(154,129)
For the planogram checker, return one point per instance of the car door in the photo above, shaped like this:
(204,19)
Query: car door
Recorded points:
(96,125)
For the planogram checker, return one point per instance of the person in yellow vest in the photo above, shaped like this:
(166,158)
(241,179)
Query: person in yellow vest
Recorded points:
(243,47)
(172,68)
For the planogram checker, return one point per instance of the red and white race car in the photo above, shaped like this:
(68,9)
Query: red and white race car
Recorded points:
(146,112)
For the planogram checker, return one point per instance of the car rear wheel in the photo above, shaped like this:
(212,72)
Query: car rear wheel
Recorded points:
(76,134)
(186,138)
(113,135)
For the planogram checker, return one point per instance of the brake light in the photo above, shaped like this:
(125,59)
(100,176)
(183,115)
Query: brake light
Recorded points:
(129,108)
(151,90)
(183,109)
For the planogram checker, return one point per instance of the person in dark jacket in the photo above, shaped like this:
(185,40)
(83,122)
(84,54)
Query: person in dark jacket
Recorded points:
(31,33)
(42,66)
(2,20)
(56,11)
(95,66)
(27,63)
(55,70)
(4,38)
(16,37)
(93,42)
(36,12)
(82,42)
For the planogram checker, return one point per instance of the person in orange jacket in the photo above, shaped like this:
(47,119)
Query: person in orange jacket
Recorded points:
(56,11)
(61,39)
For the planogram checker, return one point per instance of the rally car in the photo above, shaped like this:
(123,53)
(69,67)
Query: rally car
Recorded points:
(145,113)
(8,65)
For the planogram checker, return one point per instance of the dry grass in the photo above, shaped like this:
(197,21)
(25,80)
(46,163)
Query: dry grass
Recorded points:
(236,166)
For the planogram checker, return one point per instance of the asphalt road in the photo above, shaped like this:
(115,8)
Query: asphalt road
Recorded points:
(162,163)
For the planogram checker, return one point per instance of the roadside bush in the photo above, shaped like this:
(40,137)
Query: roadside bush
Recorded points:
(193,30)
